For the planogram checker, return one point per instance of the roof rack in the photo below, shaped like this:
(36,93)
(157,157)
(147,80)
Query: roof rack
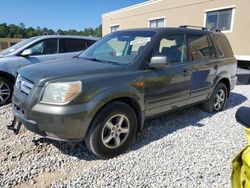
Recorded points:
(203,28)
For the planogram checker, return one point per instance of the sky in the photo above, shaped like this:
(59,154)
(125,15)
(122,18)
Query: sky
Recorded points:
(59,14)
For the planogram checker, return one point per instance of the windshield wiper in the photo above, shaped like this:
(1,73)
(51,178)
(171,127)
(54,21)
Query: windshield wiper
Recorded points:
(99,60)
(91,59)
(111,62)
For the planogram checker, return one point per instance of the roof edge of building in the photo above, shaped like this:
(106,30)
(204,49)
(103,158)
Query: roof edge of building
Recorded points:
(131,7)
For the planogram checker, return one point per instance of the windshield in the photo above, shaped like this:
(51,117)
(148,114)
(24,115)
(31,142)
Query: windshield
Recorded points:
(119,47)
(16,46)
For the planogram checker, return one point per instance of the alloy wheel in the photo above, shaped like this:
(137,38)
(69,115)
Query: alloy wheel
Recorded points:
(4,92)
(219,99)
(115,131)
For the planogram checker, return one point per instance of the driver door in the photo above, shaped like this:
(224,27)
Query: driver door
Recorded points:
(168,88)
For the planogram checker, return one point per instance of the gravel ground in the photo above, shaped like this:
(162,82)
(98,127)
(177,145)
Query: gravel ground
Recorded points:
(189,148)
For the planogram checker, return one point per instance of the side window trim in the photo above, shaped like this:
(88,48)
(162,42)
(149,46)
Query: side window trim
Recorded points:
(58,46)
(186,41)
(86,43)
(61,46)
(188,47)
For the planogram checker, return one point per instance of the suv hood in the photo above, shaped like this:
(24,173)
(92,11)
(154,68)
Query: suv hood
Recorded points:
(41,73)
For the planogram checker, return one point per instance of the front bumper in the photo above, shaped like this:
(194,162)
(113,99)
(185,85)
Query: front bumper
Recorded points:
(30,125)
(65,123)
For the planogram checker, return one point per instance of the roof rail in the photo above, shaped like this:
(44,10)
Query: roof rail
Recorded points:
(203,28)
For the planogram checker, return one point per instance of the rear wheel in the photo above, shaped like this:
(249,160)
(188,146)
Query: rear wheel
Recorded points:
(217,100)
(113,130)
(6,90)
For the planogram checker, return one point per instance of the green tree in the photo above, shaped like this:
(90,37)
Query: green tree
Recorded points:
(60,32)
(20,31)
(98,31)
(4,30)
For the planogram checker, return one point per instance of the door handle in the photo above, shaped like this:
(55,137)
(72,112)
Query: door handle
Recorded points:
(186,72)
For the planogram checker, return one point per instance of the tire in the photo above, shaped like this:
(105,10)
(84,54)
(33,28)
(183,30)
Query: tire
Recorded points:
(217,100)
(6,90)
(107,124)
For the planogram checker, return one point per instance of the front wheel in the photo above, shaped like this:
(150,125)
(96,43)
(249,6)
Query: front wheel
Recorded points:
(6,90)
(217,100)
(112,131)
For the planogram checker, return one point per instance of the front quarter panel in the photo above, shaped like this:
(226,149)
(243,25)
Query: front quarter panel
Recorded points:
(10,65)
(103,89)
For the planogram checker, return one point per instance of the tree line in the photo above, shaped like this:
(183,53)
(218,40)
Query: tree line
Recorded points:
(20,31)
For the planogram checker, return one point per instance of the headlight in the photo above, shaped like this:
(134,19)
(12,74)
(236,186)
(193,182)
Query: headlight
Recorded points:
(61,92)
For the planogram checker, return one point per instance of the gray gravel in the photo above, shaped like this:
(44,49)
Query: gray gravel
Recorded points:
(189,148)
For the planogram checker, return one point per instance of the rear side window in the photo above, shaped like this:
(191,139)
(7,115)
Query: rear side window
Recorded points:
(90,42)
(200,48)
(222,46)
(72,45)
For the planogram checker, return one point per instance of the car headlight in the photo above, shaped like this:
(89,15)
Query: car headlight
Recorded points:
(61,92)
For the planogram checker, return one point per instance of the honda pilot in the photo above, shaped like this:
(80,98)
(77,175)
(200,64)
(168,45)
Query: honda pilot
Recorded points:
(104,95)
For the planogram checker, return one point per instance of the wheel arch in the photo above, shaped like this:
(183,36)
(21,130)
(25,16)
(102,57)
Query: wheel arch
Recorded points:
(8,76)
(129,101)
(227,84)
(223,77)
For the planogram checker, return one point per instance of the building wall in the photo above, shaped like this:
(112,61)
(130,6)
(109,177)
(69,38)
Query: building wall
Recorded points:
(7,42)
(189,12)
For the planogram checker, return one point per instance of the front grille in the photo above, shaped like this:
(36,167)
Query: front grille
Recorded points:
(24,85)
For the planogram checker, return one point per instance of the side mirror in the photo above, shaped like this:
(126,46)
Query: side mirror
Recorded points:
(26,52)
(158,62)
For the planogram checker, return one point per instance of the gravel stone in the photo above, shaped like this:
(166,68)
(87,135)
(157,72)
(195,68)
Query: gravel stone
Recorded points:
(188,148)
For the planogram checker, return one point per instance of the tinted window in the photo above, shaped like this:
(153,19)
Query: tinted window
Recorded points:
(173,46)
(222,46)
(200,48)
(72,45)
(48,46)
(90,42)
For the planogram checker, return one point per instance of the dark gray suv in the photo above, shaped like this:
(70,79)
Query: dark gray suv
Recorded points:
(104,96)
(36,50)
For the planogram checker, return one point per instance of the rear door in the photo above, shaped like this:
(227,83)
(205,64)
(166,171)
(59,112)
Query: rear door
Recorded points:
(70,47)
(203,66)
(168,88)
